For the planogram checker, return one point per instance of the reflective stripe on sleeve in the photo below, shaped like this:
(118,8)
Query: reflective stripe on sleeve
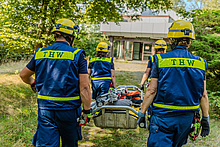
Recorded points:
(180,62)
(54,54)
(58,98)
(101,78)
(176,107)
(152,58)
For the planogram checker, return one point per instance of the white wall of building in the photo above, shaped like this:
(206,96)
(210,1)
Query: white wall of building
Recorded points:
(136,29)
(155,19)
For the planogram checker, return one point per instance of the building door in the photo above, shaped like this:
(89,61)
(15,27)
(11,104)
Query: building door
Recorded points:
(146,51)
(137,51)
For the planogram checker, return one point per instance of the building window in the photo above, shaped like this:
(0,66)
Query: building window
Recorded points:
(128,50)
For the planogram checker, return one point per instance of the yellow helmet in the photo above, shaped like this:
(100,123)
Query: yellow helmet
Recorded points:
(102,47)
(160,44)
(181,29)
(66,26)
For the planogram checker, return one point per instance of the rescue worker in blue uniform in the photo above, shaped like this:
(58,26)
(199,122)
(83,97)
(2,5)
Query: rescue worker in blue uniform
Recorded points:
(177,89)
(62,83)
(101,70)
(160,46)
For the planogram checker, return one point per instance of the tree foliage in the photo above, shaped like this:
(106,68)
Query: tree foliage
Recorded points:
(178,4)
(213,5)
(190,9)
(207,44)
(27,24)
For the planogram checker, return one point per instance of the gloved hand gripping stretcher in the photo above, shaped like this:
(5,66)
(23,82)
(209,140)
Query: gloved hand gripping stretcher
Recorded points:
(118,108)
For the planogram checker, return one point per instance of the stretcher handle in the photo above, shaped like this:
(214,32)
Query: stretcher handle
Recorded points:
(115,108)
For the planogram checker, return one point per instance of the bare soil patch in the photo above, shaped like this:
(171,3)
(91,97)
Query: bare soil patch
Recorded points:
(121,66)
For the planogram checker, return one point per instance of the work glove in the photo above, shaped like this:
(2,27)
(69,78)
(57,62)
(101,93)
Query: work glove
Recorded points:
(85,117)
(33,87)
(141,120)
(111,88)
(205,126)
(142,87)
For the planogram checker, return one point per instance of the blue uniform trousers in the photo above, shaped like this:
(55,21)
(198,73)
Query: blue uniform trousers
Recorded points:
(170,130)
(100,87)
(53,124)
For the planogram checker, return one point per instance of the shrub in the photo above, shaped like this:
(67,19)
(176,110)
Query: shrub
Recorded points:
(214,103)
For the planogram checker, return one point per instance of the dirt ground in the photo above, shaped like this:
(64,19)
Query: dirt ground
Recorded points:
(130,66)
(9,73)
(14,68)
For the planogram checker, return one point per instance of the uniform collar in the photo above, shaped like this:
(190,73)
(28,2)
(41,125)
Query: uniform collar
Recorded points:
(62,42)
(180,47)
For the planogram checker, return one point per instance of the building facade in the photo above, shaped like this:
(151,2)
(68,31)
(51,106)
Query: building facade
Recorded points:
(134,40)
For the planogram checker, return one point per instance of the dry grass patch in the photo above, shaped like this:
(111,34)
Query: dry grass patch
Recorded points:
(10,79)
(13,67)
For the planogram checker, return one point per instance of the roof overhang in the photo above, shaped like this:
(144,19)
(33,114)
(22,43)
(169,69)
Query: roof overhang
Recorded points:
(136,29)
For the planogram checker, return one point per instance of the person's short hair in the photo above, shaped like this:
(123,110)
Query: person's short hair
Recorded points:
(159,49)
(58,36)
(180,41)
(101,54)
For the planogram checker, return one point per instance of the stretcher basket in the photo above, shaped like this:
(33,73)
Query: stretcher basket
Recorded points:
(109,111)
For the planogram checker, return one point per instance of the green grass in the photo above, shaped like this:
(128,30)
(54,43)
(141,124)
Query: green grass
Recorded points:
(128,78)
(18,129)
(18,118)
(18,115)
(122,138)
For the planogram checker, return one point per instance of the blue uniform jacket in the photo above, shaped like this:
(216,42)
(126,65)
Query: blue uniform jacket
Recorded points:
(101,68)
(181,78)
(57,76)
